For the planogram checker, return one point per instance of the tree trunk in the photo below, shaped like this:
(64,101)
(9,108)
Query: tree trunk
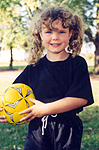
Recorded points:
(96,42)
(97,60)
(11,60)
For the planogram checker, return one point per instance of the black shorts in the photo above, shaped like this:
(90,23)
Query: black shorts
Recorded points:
(61,133)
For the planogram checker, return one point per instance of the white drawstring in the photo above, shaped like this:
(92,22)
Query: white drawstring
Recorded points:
(44,122)
(44,125)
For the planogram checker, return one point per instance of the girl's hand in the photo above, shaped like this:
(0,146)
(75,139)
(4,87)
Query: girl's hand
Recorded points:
(37,110)
(2,118)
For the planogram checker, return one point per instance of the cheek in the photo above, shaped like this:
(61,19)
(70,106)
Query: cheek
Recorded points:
(65,43)
(65,39)
(46,40)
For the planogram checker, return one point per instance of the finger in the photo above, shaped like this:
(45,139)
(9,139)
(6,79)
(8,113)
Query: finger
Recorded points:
(1,109)
(3,121)
(30,119)
(2,117)
(32,100)
(28,110)
(27,117)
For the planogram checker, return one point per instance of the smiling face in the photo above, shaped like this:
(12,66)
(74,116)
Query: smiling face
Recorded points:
(55,40)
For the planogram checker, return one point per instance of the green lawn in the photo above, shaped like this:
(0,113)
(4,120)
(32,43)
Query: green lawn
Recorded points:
(13,137)
(90,118)
(16,65)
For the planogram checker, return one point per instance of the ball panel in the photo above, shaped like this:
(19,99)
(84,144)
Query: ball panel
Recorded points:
(9,109)
(1,103)
(14,100)
(11,95)
(21,106)
(17,117)
(24,91)
(31,95)
(2,112)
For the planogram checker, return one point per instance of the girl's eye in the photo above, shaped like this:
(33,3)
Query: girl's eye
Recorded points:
(61,32)
(48,32)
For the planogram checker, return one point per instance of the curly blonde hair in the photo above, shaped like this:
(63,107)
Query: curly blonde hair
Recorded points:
(47,17)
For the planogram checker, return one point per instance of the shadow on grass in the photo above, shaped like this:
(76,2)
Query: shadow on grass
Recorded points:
(15,68)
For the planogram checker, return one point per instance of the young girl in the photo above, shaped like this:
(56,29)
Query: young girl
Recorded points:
(60,82)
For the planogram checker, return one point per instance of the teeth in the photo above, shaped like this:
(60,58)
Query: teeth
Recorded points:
(55,44)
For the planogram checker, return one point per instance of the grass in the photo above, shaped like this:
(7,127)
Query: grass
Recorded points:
(90,68)
(13,137)
(16,65)
(90,118)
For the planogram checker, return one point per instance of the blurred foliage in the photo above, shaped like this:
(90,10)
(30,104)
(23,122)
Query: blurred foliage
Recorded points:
(12,26)
(16,15)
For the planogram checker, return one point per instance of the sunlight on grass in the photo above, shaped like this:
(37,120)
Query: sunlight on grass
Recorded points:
(95,88)
(90,68)
(16,65)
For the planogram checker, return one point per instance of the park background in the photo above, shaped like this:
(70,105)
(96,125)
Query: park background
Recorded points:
(15,42)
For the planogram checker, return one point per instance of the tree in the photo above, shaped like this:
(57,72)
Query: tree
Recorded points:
(88,32)
(89,10)
(31,7)
(14,22)
(12,26)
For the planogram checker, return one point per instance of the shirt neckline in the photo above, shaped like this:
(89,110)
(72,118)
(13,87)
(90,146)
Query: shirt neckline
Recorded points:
(56,62)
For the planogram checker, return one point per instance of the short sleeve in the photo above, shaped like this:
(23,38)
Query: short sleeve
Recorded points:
(23,77)
(81,86)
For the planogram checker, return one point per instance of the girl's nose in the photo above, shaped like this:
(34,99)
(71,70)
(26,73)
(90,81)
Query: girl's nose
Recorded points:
(55,36)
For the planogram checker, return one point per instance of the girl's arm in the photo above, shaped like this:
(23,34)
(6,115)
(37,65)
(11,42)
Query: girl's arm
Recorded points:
(65,104)
(41,109)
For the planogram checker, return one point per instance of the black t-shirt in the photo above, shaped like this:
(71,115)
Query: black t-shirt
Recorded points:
(52,81)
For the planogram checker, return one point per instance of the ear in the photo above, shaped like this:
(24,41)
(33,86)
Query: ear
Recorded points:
(70,34)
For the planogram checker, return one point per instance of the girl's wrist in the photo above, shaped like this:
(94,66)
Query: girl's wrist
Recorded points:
(47,109)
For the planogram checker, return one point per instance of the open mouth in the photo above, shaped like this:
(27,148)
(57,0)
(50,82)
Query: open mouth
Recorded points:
(55,44)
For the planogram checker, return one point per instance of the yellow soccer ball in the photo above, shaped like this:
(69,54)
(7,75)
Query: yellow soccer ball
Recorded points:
(14,100)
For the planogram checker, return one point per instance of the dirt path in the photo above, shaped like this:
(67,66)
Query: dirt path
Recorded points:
(94,77)
(10,75)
